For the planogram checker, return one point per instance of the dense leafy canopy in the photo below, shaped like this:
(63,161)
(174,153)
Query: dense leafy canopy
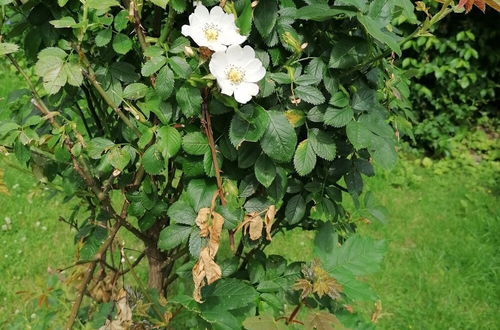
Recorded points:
(129,121)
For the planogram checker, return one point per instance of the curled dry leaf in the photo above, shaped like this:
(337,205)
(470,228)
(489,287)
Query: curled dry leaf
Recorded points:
(204,269)
(269,219)
(202,220)
(123,318)
(215,231)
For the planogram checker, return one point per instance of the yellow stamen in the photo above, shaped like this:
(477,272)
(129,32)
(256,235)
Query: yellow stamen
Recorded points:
(235,76)
(211,34)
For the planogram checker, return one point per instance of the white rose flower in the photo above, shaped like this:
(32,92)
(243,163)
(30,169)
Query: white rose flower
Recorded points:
(215,29)
(237,71)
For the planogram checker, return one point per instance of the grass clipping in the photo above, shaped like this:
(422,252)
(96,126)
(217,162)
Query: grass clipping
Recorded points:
(206,271)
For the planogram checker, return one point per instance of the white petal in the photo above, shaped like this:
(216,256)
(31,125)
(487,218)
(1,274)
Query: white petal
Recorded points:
(218,64)
(234,53)
(255,74)
(186,30)
(216,46)
(202,12)
(199,37)
(226,87)
(232,37)
(248,52)
(217,13)
(244,92)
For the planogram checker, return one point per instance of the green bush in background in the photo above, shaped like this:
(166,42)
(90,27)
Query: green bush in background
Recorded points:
(456,80)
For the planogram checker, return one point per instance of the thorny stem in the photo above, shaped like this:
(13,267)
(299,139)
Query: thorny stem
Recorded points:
(207,125)
(294,313)
(165,32)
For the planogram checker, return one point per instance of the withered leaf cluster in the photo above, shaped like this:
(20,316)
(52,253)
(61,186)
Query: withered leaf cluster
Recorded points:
(253,224)
(317,280)
(206,269)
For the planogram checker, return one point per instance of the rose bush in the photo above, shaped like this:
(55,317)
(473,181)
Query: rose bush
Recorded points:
(203,130)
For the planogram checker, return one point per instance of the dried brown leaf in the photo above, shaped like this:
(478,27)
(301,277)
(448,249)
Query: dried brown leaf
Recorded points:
(215,232)
(255,226)
(269,219)
(202,220)
(304,285)
(204,269)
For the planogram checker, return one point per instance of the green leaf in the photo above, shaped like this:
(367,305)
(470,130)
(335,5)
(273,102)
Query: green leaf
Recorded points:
(178,5)
(229,294)
(244,20)
(153,65)
(208,165)
(263,322)
(384,152)
(248,124)
(195,242)
(359,135)
(339,100)
(124,71)
(307,79)
(280,139)
(376,29)
(165,82)
(121,20)
(160,3)
(97,146)
(200,193)
(135,91)
(103,37)
(180,66)
(145,138)
(305,158)
(102,5)
(50,66)
(266,14)
(189,100)
(173,236)
(338,117)
(122,43)
(64,22)
(295,117)
(182,213)
(8,48)
(74,74)
(358,255)
(322,144)
(195,143)
(310,94)
(347,52)
(169,141)
(265,170)
(321,12)
(119,158)
(316,68)
(152,160)
(295,209)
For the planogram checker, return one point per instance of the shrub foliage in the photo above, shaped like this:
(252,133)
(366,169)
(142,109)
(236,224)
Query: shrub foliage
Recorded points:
(126,115)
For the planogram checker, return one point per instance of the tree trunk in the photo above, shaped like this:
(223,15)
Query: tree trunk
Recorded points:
(156,277)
